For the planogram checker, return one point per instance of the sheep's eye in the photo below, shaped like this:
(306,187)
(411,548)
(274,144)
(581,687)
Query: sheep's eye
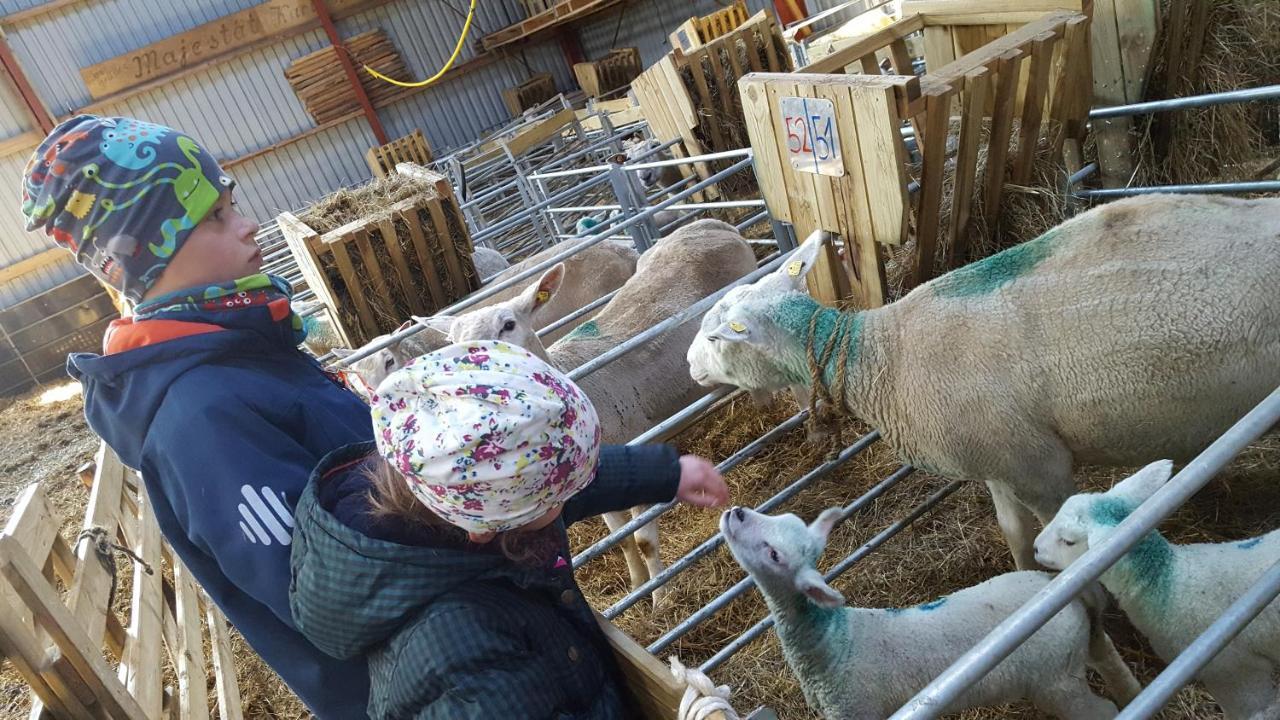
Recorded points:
(773,555)
(390,364)
(1068,543)
(508,326)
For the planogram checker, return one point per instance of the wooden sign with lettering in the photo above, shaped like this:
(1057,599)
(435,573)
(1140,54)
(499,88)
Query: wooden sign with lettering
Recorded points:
(226,34)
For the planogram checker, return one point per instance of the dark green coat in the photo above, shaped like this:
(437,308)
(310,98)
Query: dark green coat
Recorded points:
(452,630)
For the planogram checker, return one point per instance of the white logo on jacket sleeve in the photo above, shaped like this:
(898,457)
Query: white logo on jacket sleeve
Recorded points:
(264,517)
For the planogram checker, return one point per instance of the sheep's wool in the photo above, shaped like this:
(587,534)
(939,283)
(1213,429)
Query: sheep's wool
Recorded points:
(487,435)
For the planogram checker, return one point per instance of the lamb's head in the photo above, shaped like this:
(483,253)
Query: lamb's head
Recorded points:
(781,553)
(740,342)
(648,177)
(372,370)
(515,321)
(1089,517)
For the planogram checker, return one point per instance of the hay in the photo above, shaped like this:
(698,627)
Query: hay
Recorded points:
(1224,143)
(370,204)
(955,546)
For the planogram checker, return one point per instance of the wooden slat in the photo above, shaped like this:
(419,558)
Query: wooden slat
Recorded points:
(938,48)
(768,160)
(835,62)
(866,271)
(1035,93)
(19,646)
(193,697)
(976,90)
(372,267)
(438,297)
(451,260)
(713,118)
(1001,128)
(34,523)
(884,159)
(140,669)
(938,112)
(411,290)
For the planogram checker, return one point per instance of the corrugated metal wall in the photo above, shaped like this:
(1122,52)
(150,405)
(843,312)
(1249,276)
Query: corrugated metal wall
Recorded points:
(645,24)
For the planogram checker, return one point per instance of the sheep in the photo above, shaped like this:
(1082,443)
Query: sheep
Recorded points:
(1172,593)
(594,272)
(488,262)
(648,384)
(1141,328)
(856,663)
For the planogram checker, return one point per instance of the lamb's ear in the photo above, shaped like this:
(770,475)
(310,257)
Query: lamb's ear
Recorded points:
(620,158)
(803,259)
(821,527)
(342,353)
(540,293)
(1144,483)
(809,581)
(407,324)
(731,331)
(439,323)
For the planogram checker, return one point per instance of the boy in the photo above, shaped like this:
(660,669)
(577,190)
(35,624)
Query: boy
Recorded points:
(203,389)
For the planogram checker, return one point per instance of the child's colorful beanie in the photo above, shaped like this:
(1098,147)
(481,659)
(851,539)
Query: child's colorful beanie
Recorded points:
(487,435)
(122,194)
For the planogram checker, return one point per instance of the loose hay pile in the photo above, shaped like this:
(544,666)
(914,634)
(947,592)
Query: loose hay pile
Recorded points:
(359,215)
(957,545)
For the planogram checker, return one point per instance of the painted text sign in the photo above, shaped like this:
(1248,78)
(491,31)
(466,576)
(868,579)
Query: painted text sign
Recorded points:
(813,143)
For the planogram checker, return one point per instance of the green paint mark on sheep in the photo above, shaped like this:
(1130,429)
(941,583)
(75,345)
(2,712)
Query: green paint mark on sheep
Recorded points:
(993,273)
(795,312)
(1149,564)
(588,329)
(1248,544)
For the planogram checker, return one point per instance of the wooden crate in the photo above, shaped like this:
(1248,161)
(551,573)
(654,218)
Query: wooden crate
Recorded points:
(869,206)
(57,627)
(534,7)
(321,83)
(698,31)
(413,257)
(693,96)
(616,70)
(410,148)
(536,90)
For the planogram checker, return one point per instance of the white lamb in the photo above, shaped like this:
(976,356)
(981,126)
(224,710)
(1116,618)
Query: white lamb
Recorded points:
(648,384)
(861,663)
(592,273)
(1172,593)
(1140,329)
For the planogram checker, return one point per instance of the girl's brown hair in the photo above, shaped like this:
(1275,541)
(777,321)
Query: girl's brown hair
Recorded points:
(391,499)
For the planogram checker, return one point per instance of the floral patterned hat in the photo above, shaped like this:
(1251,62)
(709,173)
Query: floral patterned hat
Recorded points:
(488,436)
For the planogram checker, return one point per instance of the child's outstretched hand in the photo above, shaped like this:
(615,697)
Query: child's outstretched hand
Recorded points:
(701,484)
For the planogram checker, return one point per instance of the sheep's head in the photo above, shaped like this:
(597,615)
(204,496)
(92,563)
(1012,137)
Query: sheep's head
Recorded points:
(515,321)
(373,369)
(781,552)
(648,177)
(1090,516)
(740,344)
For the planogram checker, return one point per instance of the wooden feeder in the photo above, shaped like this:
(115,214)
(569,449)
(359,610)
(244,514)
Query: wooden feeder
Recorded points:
(413,257)
(411,148)
(534,91)
(615,70)
(698,31)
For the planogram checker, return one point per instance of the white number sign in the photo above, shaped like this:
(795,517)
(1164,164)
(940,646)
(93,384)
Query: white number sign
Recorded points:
(813,144)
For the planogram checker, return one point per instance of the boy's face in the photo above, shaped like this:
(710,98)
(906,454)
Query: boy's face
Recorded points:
(221,248)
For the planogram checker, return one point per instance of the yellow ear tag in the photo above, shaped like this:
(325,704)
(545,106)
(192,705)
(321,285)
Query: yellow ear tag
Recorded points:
(543,296)
(737,327)
(794,268)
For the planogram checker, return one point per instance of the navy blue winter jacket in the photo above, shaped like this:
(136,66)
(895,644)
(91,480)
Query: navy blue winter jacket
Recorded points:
(226,419)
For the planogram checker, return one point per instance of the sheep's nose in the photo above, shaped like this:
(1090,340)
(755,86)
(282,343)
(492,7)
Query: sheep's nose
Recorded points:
(737,512)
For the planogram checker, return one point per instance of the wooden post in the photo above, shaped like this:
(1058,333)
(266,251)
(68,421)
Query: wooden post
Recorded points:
(370,114)
(1123,36)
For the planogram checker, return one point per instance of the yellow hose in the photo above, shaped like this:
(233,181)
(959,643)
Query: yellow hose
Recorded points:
(457,50)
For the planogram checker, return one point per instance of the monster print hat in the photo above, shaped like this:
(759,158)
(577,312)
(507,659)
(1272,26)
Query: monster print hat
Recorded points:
(121,194)
(487,435)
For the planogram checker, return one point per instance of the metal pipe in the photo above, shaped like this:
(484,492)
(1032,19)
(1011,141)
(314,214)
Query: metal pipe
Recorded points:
(1257,186)
(597,303)
(1008,635)
(758,217)
(856,556)
(715,541)
(1199,653)
(747,452)
(746,583)
(718,205)
(1079,176)
(670,188)
(723,155)
(531,212)
(1268,92)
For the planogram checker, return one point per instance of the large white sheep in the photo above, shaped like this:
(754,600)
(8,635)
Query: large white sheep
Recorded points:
(1172,593)
(488,262)
(648,384)
(1140,329)
(863,664)
(593,273)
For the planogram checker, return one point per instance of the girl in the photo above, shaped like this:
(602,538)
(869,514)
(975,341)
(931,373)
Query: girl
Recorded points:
(439,550)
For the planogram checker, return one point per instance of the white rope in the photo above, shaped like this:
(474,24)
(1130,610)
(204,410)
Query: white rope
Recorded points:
(701,696)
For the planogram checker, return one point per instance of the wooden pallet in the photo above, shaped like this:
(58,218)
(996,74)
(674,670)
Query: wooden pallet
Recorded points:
(535,7)
(616,70)
(427,263)
(410,148)
(530,93)
(560,14)
(1038,74)
(698,31)
(322,86)
(56,639)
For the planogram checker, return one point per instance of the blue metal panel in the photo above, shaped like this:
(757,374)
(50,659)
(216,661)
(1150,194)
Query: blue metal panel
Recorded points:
(16,244)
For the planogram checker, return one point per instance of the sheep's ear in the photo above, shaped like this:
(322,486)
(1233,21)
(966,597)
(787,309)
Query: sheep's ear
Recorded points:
(809,581)
(540,293)
(1144,483)
(439,323)
(407,324)
(343,353)
(803,259)
(620,158)
(821,527)
(731,331)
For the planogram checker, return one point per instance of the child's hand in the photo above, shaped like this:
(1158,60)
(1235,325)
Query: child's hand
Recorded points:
(701,484)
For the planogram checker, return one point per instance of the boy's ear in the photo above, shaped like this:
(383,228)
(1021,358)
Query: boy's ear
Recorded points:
(1144,483)
(810,582)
